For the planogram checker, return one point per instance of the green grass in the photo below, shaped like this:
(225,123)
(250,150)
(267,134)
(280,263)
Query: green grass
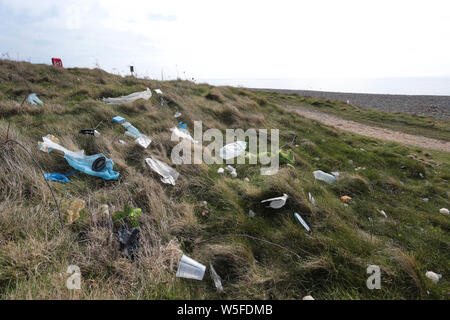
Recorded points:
(328,263)
(419,125)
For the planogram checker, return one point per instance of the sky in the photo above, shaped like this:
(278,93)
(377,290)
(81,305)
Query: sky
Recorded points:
(236,40)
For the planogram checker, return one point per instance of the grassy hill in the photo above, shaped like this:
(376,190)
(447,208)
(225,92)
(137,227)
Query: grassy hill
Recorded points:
(270,256)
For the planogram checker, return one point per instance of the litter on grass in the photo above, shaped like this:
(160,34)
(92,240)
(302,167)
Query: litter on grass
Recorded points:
(444,211)
(300,219)
(323,176)
(190,269)
(50,142)
(346,199)
(96,165)
(233,150)
(309,297)
(276,203)
(383,213)
(220,170)
(311,199)
(118,119)
(129,241)
(33,99)
(232,171)
(181,125)
(73,213)
(183,134)
(59,177)
(169,175)
(91,132)
(251,213)
(216,278)
(147,94)
(140,139)
(158,91)
(177,114)
(434,277)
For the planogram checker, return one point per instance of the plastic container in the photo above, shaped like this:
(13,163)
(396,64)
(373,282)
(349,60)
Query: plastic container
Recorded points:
(323,176)
(190,269)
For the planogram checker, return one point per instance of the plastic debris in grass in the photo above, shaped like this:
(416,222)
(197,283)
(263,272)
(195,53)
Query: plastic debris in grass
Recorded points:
(251,214)
(232,171)
(233,150)
(323,176)
(434,277)
(311,199)
(147,94)
(346,199)
(33,99)
(129,241)
(122,142)
(287,156)
(118,119)
(444,211)
(216,278)
(181,125)
(128,216)
(177,115)
(276,203)
(382,213)
(158,91)
(169,175)
(307,298)
(91,132)
(73,213)
(300,219)
(140,138)
(220,170)
(190,269)
(183,134)
(50,142)
(59,177)
(96,165)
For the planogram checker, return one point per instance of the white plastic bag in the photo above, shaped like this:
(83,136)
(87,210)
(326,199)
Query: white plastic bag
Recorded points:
(190,269)
(183,134)
(216,278)
(147,94)
(233,150)
(169,175)
(49,145)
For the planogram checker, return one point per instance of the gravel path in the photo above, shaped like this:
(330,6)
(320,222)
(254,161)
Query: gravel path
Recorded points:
(374,132)
(435,106)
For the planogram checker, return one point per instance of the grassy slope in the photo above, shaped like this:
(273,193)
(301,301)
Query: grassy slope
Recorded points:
(330,263)
(420,125)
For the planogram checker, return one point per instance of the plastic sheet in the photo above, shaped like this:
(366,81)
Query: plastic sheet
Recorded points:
(59,177)
(232,171)
(233,150)
(96,165)
(143,141)
(147,94)
(190,269)
(33,99)
(169,175)
(158,91)
(323,176)
(216,278)
(311,199)
(131,130)
(49,144)
(276,203)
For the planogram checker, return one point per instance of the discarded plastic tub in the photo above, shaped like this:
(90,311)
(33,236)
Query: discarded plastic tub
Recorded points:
(190,269)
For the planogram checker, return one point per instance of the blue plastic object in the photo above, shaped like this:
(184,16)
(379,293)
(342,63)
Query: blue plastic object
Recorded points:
(181,125)
(59,177)
(87,164)
(33,99)
(118,119)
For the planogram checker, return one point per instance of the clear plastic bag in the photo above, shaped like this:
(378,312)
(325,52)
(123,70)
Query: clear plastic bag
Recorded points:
(147,94)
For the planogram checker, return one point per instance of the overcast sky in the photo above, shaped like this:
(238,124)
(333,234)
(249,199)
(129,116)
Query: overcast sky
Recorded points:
(234,39)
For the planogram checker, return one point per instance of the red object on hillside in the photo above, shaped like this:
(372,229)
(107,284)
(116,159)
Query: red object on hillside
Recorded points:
(57,62)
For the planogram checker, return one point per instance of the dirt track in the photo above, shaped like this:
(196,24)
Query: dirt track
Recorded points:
(375,132)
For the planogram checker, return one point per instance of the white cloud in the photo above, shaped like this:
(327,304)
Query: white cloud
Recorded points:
(284,39)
